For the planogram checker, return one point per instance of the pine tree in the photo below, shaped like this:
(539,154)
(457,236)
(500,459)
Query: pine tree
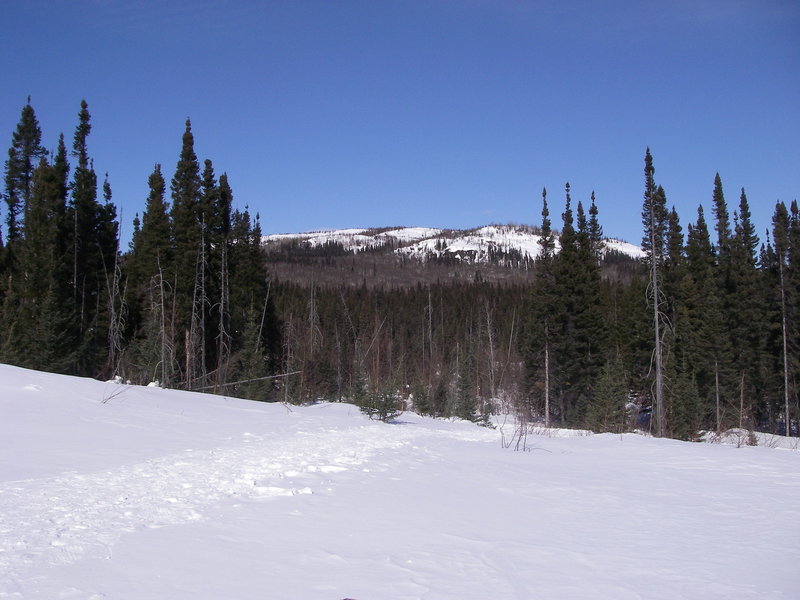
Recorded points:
(153,243)
(595,231)
(782,233)
(579,327)
(466,398)
(250,365)
(654,218)
(543,306)
(723,224)
(607,412)
(23,156)
(683,402)
(746,313)
(89,253)
(190,259)
(186,218)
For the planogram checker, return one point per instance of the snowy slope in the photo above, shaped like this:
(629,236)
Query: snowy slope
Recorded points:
(111,491)
(473,246)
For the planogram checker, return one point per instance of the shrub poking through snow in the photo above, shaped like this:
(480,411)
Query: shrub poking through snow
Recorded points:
(381,404)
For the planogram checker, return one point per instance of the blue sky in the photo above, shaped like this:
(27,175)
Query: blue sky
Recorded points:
(446,113)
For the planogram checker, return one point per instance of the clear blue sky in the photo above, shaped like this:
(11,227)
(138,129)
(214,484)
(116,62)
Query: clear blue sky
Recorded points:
(448,113)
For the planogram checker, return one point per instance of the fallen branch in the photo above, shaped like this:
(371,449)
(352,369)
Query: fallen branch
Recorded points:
(208,387)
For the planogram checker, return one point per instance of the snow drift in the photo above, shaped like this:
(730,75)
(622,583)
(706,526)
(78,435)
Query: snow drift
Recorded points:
(114,491)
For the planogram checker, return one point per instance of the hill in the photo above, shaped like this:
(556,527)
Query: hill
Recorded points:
(407,255)
(118,491)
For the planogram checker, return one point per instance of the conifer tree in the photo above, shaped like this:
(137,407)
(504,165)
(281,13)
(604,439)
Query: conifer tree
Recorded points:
(190,260)
(23,156)
(595,231)
(673,266)
(466,398)
(746,312)
(88,238)
(654,218)
(702,343)
(683,401)
(541,323)
(782,233)
(606,413)
(579,326)
(186,218)
(723,223)
(153,243)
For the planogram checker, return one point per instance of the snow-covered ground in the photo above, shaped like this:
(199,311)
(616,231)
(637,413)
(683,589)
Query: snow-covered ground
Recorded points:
(422,242)
(352,239)
(113,491)
(476,243)
(623,248)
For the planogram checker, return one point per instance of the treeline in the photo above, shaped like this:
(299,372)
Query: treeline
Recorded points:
(702,335)
(714,346)
(187,305)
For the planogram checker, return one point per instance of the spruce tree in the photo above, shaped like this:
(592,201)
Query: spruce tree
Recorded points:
(702,343)
(543,307)
(23,157)
(683,403)
(673,265)
(595,231)
(579,326)
(607,412)
(746,313)
(87,277)
(723,223)
(190,260)
(466,398)
(186,218)
(782,234)
(654,219)
(153,242)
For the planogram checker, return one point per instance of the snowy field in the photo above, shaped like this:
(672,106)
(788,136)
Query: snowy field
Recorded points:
(111,491)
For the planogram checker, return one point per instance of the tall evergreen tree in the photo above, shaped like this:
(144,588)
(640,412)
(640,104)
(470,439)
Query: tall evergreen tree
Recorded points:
(723,222)
(782,233)
(673,265)
(23,156)
(579,325)
(152,245)
(595,231)
(543,309)
(654,219)
(87,265)
(186,216)
(745,310)
(190,259)
(702,343)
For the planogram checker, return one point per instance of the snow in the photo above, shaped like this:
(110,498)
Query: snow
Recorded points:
(411,234)
(352,239)
(421,242)
(624,248)
(474,245)
(116,491)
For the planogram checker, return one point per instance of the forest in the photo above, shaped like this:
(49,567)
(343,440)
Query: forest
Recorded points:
(700,336)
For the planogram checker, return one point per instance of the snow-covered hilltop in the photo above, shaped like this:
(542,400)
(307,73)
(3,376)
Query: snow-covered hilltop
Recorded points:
(490,244)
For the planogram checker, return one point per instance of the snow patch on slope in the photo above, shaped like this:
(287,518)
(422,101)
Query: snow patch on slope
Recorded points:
(352,239)
(624,248)
(480,245)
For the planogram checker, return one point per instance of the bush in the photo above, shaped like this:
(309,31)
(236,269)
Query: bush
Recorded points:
(382,405)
